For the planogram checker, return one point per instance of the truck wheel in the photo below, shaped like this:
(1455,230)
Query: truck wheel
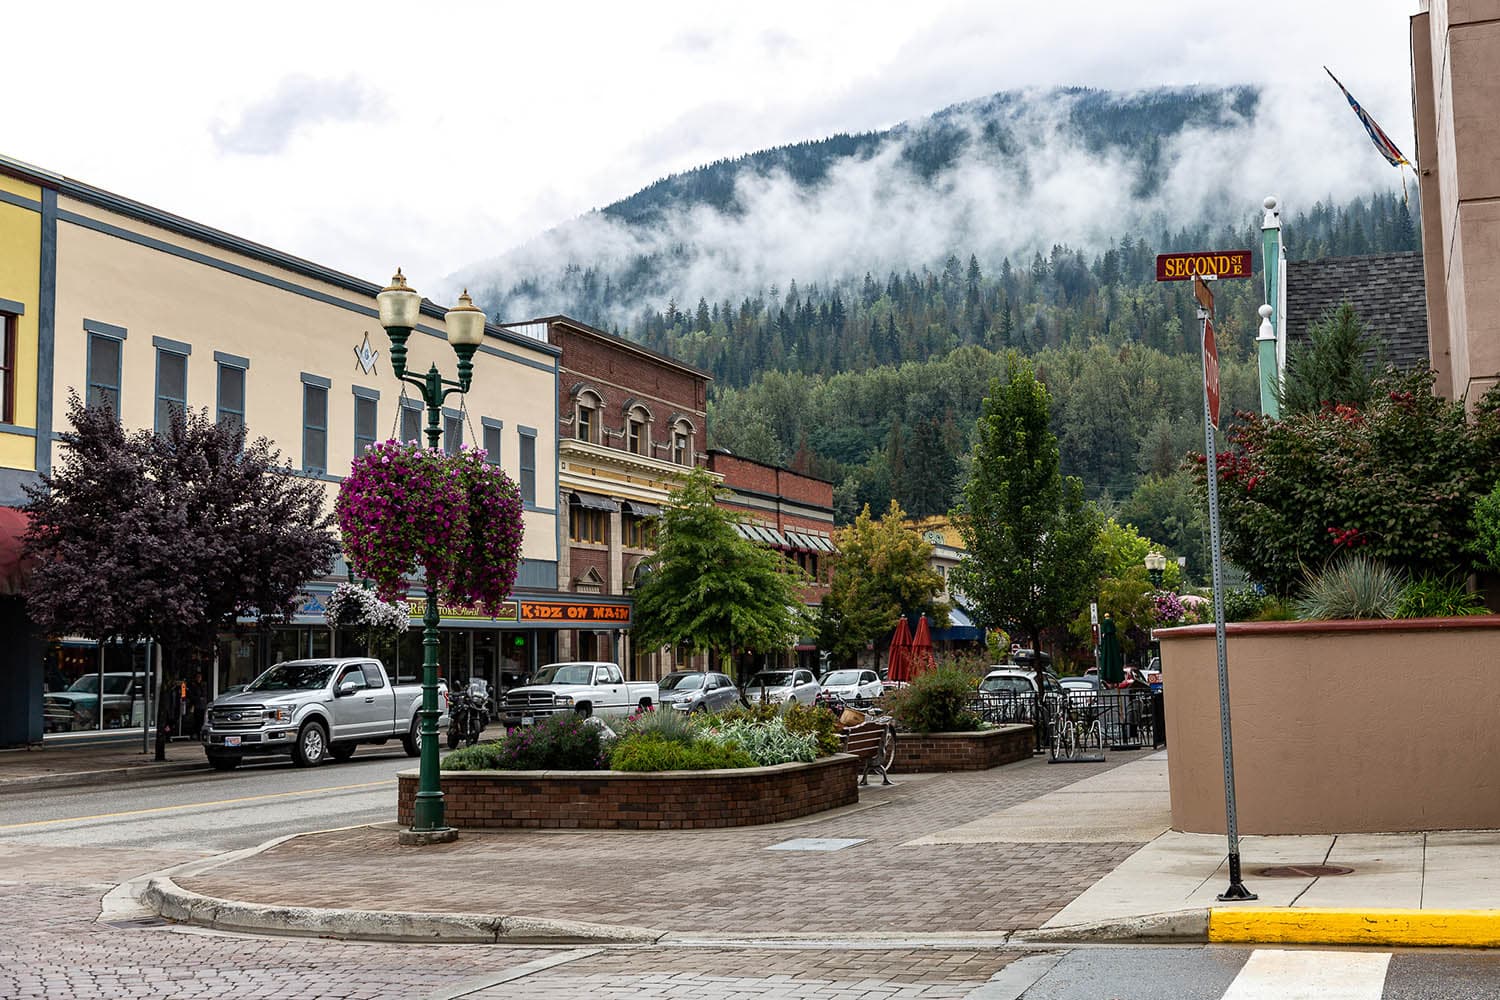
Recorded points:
(585,710)
(644,706)
(311,748)
(224,763)
(343,751)
(412,741)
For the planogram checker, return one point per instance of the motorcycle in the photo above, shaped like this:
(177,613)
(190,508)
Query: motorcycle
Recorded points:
(468,714)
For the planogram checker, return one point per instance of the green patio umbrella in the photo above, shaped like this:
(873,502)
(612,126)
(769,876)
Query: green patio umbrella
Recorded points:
(1111,660)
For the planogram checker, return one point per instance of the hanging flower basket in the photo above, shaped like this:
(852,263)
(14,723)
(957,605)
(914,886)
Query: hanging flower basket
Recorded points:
(456,517)
(361,609)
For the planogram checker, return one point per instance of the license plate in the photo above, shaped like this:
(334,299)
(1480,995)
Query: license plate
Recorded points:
(528,720)
(231,741)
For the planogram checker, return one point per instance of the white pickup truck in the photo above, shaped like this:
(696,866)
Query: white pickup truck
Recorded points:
(316,709)
(587,687)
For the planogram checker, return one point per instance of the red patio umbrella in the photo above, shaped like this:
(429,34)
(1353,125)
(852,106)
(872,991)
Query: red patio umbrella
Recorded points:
(898,667)
(921,649)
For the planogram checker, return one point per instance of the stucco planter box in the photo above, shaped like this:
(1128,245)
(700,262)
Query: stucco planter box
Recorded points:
(665,800)
(976,751)
(1339,727)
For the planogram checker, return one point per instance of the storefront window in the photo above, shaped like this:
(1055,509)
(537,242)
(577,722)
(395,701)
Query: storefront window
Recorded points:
(89,688)
(238,662)
(320,643)
(284,644)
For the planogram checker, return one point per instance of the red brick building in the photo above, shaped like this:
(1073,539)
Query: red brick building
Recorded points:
(788,511)
(631,422)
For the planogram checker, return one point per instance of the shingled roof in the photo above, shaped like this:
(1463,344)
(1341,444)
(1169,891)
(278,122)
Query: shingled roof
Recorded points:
(1387,291)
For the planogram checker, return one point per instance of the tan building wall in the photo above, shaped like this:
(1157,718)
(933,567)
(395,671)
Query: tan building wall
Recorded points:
(154,285)
(1455,93)
(1339,727)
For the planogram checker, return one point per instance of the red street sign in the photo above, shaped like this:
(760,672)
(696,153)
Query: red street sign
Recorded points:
(1211,372)
(1220,263)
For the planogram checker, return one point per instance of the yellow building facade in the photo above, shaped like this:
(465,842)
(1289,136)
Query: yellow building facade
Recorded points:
(123,303)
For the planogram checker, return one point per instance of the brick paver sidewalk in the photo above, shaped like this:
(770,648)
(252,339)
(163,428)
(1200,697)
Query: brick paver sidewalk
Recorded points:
(717,882)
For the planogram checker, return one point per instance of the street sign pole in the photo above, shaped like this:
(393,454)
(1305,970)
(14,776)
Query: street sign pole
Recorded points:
(1236,888)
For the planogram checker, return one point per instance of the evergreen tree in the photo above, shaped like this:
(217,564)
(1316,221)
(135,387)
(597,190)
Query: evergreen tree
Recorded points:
(1330,368)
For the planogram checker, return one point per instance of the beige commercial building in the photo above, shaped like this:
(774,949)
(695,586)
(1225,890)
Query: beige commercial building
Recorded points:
(1455,48)
(127,304)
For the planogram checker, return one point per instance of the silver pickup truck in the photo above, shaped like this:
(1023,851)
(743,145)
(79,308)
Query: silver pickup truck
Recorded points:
(316,709)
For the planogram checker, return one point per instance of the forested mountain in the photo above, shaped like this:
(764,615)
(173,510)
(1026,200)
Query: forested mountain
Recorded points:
(853,295)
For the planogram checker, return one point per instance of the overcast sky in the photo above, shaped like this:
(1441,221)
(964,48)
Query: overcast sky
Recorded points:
(433,135)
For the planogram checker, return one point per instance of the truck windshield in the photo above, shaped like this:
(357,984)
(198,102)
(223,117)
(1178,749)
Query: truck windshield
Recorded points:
(565,673)
(293,677)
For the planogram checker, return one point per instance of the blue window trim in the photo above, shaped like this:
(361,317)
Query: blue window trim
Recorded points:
(311,382)
(17,429)
(90,381)
(99,329)
(224,361)
(13,307)
(171,346)
(161,350)
(491,422)
(371,396)
(523,433)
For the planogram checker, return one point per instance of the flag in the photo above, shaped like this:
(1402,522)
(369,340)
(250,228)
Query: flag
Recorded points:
(1377,134)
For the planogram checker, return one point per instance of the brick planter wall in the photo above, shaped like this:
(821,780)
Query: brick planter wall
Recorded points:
(669,800)
(918,752)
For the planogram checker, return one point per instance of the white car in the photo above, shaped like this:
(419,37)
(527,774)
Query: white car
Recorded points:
(853,685)
(782,687)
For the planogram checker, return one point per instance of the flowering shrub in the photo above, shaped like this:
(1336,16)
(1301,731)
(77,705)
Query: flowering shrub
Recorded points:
(457,517)
(564,742)
(1167,608)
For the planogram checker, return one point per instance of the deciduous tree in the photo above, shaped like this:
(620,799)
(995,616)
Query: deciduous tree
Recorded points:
(708,589)
(883,571)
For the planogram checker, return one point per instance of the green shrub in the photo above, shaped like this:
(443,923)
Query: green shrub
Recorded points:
(1241,604)
(667,723)
(1353,587)
(937,701)
(817,722)
(651,752)
(564,742)
(771,742)
(1275,609)
(1486,527)
(1436,597)
(754,712)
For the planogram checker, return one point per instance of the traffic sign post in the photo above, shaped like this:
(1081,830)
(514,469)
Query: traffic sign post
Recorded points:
(1203,268)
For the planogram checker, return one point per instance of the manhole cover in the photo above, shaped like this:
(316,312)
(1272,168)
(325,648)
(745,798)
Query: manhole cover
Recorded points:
(814,844)
(1303,871)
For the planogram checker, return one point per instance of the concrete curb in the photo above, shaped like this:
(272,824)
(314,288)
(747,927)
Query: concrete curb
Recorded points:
(166,898)
(1181,926)
(1389,927)
(83,779)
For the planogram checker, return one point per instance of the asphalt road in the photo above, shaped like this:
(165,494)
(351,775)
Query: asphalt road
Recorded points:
(61,850)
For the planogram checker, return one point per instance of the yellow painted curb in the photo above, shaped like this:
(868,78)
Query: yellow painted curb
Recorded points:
(1416,928)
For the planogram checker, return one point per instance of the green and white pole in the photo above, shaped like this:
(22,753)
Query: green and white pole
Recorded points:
(1272,354)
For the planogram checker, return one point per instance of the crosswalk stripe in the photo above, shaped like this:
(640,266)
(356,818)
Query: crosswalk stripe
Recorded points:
(1272,974)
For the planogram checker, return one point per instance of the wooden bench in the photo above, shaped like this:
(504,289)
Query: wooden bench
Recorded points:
(873,742)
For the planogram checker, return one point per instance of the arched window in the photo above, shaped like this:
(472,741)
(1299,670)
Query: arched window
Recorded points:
(638,431)
(586,417)
(682,443)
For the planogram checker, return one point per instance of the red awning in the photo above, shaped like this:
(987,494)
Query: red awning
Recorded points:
(13,569)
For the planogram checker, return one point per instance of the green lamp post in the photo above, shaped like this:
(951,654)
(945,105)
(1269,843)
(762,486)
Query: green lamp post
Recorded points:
(400,309)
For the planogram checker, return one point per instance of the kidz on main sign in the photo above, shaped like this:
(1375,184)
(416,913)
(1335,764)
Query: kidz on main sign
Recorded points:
(1219,263)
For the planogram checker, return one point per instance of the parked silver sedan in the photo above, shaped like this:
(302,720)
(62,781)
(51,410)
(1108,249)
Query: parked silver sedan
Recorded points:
(783,687)
(697,691)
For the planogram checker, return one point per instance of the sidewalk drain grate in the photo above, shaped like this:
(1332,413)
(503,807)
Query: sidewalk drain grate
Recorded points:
(815,844)
(139,923)
(1303,871)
